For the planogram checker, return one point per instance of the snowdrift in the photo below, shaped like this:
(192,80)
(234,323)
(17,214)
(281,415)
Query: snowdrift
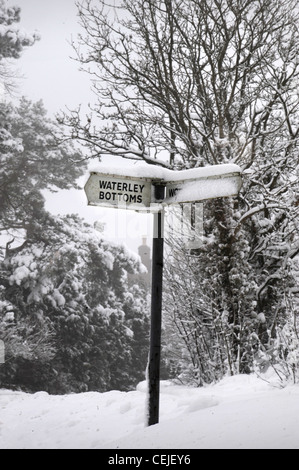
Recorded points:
(241,412)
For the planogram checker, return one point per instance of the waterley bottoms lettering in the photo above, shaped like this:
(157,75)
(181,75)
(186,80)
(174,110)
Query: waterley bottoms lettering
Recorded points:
(118,192)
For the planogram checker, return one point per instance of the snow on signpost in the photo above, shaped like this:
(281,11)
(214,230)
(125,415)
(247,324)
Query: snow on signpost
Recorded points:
(133,188)
(151,188)
(199,187)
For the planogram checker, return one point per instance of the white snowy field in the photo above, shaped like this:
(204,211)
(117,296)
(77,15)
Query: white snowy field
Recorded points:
(241,412)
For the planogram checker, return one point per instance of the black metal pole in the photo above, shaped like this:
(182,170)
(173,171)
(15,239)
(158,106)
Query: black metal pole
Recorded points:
(156,314)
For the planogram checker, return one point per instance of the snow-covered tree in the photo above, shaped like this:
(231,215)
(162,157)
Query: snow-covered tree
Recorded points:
(66,316)
(68,279)
(68,319)
(31,160)
(191,83)
(13,40)
(25,340)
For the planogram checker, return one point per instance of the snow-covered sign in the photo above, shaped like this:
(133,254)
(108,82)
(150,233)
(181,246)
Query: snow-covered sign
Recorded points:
(197,185)
(118,191)
(133,188)
(149,186)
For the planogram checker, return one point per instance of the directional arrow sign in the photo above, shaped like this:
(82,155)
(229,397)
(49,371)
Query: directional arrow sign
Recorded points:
(133,188)
(118,191)
(201,188)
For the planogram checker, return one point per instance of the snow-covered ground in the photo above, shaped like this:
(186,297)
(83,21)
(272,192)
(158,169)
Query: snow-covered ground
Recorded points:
(241,412)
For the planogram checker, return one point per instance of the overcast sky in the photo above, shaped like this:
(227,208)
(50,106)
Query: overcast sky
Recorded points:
(50,74)
(49,71)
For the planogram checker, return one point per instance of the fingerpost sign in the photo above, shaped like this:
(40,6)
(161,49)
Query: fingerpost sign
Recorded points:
(120,192)
(152,191)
